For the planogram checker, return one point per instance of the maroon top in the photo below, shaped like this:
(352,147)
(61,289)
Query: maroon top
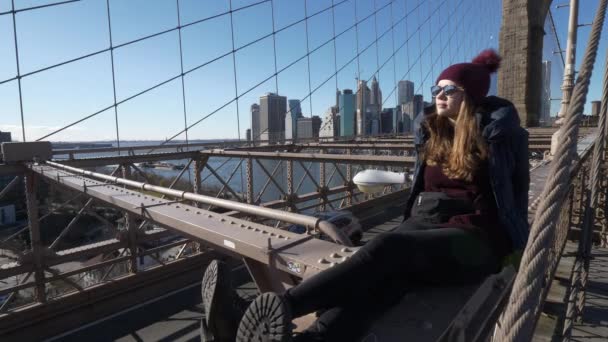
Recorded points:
(479,192)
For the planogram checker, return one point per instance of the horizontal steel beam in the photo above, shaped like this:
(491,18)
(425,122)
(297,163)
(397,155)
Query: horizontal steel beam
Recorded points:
(130,150)
(317,157)
(301,156)
(117,160)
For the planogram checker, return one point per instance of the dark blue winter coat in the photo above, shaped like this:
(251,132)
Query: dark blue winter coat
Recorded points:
(508,165)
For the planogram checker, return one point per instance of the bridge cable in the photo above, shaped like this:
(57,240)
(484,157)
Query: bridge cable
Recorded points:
(236,90)
(580,276)
(19,76)
(181,65)
(518,320)
(411,67)
(308,56)
(556,37)
(113,75)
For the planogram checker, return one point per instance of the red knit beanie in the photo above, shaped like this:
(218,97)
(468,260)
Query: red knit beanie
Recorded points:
(473,77)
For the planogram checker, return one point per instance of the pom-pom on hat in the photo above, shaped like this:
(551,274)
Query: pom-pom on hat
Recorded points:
(474,77)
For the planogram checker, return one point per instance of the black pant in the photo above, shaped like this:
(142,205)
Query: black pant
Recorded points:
(414,255)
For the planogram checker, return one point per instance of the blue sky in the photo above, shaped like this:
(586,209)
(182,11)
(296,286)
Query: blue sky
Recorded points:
(428,36)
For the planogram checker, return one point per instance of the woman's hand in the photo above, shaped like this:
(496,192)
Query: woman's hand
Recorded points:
(513,259)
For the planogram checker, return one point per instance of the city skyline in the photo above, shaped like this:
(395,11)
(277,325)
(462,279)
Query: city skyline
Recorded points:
(344,113)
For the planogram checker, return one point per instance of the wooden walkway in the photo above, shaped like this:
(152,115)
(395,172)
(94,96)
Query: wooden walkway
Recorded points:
(594,323)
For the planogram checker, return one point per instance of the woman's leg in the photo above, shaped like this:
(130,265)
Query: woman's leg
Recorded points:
(352,321)
(389,264)
(405,258)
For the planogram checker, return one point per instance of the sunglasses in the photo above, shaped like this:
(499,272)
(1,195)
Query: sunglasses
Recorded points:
(448,90)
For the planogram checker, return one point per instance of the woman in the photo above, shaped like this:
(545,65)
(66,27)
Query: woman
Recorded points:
(467,210)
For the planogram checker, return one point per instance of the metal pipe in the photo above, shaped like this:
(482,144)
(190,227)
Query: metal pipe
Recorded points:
(568,83)
(293,218)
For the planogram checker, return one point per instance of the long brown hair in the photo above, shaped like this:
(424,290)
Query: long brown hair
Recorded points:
(459,149)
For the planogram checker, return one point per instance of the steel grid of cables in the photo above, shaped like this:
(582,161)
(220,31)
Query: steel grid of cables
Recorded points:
(427,57)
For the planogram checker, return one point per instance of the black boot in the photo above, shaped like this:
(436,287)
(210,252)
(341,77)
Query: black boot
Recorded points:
(222,305)
(267,319)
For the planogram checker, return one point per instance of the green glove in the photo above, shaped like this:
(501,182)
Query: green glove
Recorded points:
(513,259)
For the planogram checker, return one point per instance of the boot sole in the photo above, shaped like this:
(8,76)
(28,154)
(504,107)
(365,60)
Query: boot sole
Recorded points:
(267,319)
(215,287)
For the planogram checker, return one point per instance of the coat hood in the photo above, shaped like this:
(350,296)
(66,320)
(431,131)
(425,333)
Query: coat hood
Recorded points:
(497,118)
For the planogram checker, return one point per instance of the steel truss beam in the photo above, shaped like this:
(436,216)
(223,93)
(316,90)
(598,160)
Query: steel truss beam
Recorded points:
(291,253)
(309,157)
(76,309)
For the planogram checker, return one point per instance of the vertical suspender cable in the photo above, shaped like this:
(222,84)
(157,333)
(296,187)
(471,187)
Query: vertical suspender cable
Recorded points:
(431,38)
(420,25)
(450,58)
(441,64)
(394,61)
(357,39)
(376,43)
(274,48)
(308,54)
(236,89)
(407,40)
(333,22)
(181,64)
(433,63)
(18,69)
(115,105)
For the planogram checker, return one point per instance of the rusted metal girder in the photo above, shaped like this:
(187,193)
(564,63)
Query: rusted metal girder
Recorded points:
(36,244)
(130,228)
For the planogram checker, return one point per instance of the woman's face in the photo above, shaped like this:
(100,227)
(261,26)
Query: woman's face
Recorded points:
(448,106)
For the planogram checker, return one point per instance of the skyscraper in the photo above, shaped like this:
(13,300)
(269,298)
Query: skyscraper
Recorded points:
(347,113)
(290,131)
(596,106)
(375,105)
(545,94)
(386,120)
(255,122)
(294,109)
(418,105)
(396,119)
(316,126)
(329,122)
(273,108)
(405,91)
(363,97)
(305,129)
(375,127)
(410,110)
(338,98)
(376,94)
